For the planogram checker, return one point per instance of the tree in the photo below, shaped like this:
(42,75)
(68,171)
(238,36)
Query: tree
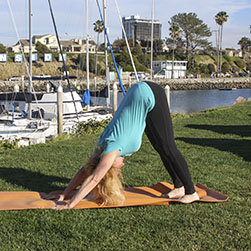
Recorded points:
(41,48)
(175,33)
(203,68)
(99,28)
(123,59)
(157,45)
(220,19)
(119,44)
(3,49)
(245,44)
(194,32)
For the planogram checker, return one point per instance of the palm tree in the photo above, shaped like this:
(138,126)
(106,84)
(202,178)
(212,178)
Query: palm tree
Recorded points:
(175,33)
(99,28)
(220,19)
(245,44)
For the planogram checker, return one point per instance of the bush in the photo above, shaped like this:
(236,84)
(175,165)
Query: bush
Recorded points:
(225,67)
(235,69)
(239,63)
(3,49)
(211,68)
(227,58)
(249,67)
(91,127)
(7,144)
(203,68)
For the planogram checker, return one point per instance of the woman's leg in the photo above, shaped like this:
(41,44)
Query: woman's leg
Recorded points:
(160,133)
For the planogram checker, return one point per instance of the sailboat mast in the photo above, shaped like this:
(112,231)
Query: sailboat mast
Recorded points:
(30,56)
(87,48)
(106,56)
(152,40)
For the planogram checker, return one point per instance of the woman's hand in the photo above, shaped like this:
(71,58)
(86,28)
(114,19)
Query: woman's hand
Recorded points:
(53,196)
(60,198)
(61,206)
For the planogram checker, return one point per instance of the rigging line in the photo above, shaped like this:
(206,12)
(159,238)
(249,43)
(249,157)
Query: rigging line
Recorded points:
(22,49)
(128,47)
(18,37)
(115,65)
(61,52)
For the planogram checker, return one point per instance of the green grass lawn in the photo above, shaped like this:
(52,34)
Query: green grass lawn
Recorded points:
(217,147)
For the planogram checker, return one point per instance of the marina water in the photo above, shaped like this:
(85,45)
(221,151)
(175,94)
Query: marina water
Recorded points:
(194,101)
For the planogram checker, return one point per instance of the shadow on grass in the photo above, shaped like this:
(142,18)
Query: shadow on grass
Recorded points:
(238,147)
(241,130)
(33,181)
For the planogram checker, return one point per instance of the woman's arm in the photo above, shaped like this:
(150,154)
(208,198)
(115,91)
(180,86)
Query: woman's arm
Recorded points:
(79,177)
(76,181)
(102,168)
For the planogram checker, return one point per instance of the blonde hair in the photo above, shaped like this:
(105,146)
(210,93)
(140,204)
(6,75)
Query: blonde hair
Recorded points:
(110,189)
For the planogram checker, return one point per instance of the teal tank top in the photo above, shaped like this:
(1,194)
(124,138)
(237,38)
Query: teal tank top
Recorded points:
(126,129)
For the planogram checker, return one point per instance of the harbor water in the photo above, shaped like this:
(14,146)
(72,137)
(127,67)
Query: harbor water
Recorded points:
(194,101)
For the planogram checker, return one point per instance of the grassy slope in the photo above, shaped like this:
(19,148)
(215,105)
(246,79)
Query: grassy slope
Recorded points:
(17,69)
(217,147)
(204,59)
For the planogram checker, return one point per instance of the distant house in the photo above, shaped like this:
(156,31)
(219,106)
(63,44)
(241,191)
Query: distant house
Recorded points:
(49,40)
(17,48)
(163,69)
(233,53)
(77,46)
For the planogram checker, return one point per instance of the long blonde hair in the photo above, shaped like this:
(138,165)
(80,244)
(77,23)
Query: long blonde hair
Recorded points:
(110,189)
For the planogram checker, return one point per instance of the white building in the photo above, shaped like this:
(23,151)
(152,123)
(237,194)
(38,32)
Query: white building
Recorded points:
(77,46)
(163,69)
(233,53)
(50,41)
(17,48)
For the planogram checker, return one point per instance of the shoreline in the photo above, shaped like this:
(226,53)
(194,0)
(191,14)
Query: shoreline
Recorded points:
(207,83)
(174,84)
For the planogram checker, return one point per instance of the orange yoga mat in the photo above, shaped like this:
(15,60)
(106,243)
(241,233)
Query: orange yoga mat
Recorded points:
(135,196)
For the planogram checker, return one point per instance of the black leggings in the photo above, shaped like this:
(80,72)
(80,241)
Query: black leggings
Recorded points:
(159,131)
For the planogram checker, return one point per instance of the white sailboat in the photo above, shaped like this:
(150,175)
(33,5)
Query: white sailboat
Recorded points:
(32,117)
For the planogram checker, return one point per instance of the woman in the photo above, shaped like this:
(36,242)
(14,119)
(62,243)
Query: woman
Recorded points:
(144,108)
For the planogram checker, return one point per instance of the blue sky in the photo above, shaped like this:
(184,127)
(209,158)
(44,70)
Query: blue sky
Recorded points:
(70,17)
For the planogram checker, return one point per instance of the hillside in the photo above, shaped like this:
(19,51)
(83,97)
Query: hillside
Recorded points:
(54,68)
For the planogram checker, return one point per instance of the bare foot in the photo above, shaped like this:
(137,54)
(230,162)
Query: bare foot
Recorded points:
(175,193)
(189,198)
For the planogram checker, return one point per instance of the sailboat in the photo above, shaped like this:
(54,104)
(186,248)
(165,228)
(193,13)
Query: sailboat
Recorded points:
(32,117)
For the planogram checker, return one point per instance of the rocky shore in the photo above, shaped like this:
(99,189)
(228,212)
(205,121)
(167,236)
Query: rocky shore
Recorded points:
(175,84)
(207,83)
